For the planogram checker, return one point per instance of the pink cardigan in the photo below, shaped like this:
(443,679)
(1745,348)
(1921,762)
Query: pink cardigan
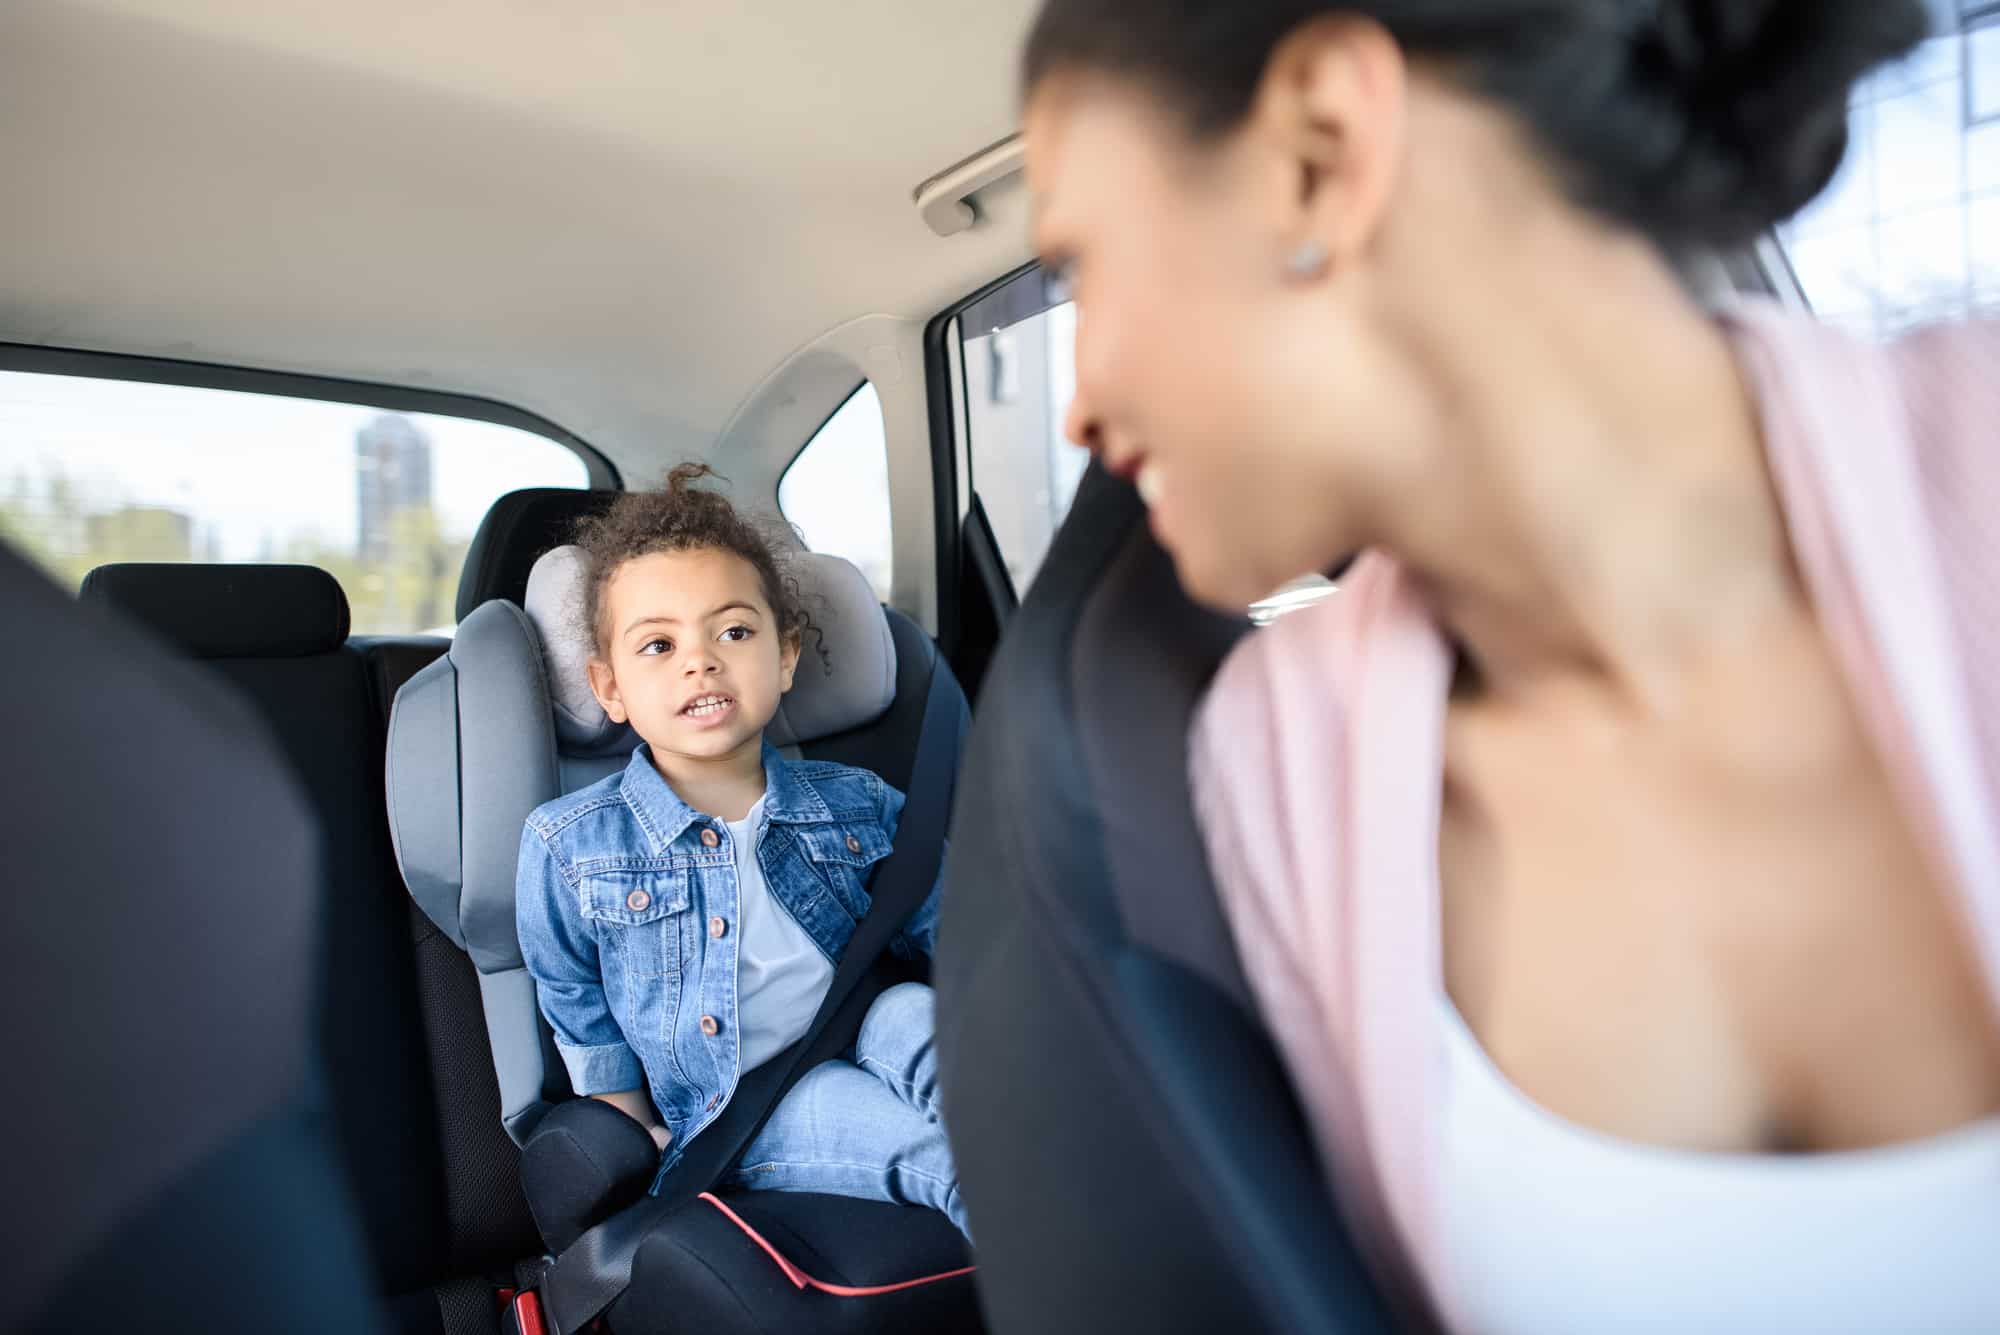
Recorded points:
(1316,759)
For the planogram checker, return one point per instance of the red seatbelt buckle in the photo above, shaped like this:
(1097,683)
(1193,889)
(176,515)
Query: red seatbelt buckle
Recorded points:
(526,1309)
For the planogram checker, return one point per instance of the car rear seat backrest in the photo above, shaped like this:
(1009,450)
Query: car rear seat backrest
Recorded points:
(505,721)
(279,633)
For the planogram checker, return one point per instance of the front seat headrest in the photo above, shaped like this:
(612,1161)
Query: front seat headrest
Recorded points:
(518,529)
(228,611)
(847,664)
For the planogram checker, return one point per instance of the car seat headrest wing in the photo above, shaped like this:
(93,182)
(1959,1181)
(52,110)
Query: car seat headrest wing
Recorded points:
(846,677)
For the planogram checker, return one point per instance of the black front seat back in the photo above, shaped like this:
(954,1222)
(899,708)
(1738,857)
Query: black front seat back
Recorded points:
(1132,1156)
(170,1168)
(278,634)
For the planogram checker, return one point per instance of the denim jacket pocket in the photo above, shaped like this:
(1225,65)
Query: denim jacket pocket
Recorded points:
(640,913)
(844,857)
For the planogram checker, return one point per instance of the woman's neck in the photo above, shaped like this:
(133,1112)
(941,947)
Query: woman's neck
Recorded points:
(1613,517)
(725,787)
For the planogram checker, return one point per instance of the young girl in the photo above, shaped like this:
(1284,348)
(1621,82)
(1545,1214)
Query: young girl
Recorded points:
(682,919)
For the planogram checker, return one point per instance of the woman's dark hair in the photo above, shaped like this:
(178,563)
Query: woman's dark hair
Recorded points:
(1695,121)
(681,517)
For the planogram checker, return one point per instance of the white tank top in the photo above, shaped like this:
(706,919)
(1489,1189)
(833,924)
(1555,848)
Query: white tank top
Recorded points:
(1548,1227)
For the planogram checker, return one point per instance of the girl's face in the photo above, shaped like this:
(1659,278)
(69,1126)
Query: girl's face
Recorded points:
(695,661)
(1258,398)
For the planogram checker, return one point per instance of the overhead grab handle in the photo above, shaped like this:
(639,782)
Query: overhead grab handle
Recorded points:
(946,199)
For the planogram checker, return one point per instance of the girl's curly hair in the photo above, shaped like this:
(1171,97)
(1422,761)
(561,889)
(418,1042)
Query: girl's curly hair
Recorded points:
(681,517)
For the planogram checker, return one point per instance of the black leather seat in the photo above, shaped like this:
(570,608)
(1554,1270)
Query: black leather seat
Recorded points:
(1131,1153)
(170,1165)
(410,1089)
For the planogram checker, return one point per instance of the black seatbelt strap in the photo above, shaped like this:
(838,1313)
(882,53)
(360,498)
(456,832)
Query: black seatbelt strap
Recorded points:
(593,1271)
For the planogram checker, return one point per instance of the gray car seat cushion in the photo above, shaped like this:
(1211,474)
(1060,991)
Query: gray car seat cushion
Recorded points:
(847,664)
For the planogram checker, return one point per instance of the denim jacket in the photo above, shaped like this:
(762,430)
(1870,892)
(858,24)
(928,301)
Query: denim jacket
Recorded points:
(620,889)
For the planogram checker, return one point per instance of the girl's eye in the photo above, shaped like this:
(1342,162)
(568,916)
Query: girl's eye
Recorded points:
(735,634)
(657,647)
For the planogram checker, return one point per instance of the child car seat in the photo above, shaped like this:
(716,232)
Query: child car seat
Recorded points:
(1097,1040)
(505,721)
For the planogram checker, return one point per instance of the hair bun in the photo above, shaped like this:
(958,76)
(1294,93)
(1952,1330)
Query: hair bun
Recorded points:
(1763,88)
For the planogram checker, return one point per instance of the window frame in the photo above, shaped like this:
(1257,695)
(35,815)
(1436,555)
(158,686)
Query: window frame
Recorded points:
(951,443)
(600,472)
(1011,297)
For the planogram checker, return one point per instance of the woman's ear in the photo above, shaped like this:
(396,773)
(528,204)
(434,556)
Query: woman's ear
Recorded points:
(788,659)
(1332,108)
(604,686)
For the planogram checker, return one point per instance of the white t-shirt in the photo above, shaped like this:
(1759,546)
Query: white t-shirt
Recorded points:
(781,977)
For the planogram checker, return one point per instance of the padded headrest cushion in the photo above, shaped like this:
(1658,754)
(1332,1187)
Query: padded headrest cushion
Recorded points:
(847,669)
(229,611)
(516,531)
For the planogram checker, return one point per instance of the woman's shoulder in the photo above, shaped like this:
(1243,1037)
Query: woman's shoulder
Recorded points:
(1948,378)
(1270,745)
(1940,375)
(1961,350)
(1289,677)
(1926,401)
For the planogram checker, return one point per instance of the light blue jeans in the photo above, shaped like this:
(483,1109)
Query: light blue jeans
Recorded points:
(869,1126)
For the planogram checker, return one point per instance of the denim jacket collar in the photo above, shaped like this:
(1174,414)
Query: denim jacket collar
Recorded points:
(787,800)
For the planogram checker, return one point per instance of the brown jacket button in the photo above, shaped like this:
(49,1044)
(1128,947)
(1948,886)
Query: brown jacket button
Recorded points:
(711,838)
(716,927)
(709,1026)
(853,844)
(637,901)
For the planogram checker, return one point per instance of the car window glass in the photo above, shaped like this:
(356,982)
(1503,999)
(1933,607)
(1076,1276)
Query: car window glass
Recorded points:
(1019,379)
(1019,352)
(1909,231)
(94,471)
(836,492)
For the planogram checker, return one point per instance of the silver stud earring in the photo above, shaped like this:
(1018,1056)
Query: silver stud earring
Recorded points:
(1307,262)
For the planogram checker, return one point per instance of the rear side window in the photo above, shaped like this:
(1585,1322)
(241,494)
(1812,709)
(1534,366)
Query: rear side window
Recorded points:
(96,471)
(836,493)
(1019,353)
(1909,232)
(1018,349)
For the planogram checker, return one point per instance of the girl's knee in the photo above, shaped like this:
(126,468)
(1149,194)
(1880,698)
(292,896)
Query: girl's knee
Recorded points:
(902,1020)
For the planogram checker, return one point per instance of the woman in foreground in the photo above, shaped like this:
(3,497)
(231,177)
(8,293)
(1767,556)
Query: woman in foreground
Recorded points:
(1617,856)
